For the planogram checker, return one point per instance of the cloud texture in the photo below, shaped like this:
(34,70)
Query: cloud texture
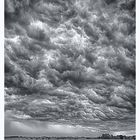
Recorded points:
(71,62)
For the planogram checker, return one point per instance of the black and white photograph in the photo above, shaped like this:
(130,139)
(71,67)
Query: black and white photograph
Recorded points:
(69,69)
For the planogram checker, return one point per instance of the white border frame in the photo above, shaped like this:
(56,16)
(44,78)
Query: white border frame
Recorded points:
(1,69)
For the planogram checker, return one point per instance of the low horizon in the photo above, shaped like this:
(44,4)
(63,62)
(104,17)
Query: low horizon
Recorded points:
(64,136)
(129,135)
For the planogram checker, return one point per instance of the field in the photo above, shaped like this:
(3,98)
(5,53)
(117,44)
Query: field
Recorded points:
(57,139)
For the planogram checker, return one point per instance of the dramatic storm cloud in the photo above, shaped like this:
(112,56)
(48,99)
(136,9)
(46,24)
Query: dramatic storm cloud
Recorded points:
(69,67)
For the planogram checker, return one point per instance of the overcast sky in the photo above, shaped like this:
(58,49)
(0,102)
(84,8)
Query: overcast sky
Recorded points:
(69,67)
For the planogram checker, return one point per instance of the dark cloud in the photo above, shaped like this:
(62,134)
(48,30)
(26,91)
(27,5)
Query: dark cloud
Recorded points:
(71,62)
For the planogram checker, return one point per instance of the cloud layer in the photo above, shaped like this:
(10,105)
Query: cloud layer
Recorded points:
(71,62)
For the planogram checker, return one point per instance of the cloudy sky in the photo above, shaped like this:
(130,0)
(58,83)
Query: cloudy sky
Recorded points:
(69,67)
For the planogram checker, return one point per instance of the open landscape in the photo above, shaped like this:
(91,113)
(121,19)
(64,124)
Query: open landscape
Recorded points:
(42,138)
(103,137)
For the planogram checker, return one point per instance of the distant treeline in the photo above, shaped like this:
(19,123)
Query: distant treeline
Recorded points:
(104,136)
(108,136)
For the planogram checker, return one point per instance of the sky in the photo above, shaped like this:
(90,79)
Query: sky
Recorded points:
(69,67)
